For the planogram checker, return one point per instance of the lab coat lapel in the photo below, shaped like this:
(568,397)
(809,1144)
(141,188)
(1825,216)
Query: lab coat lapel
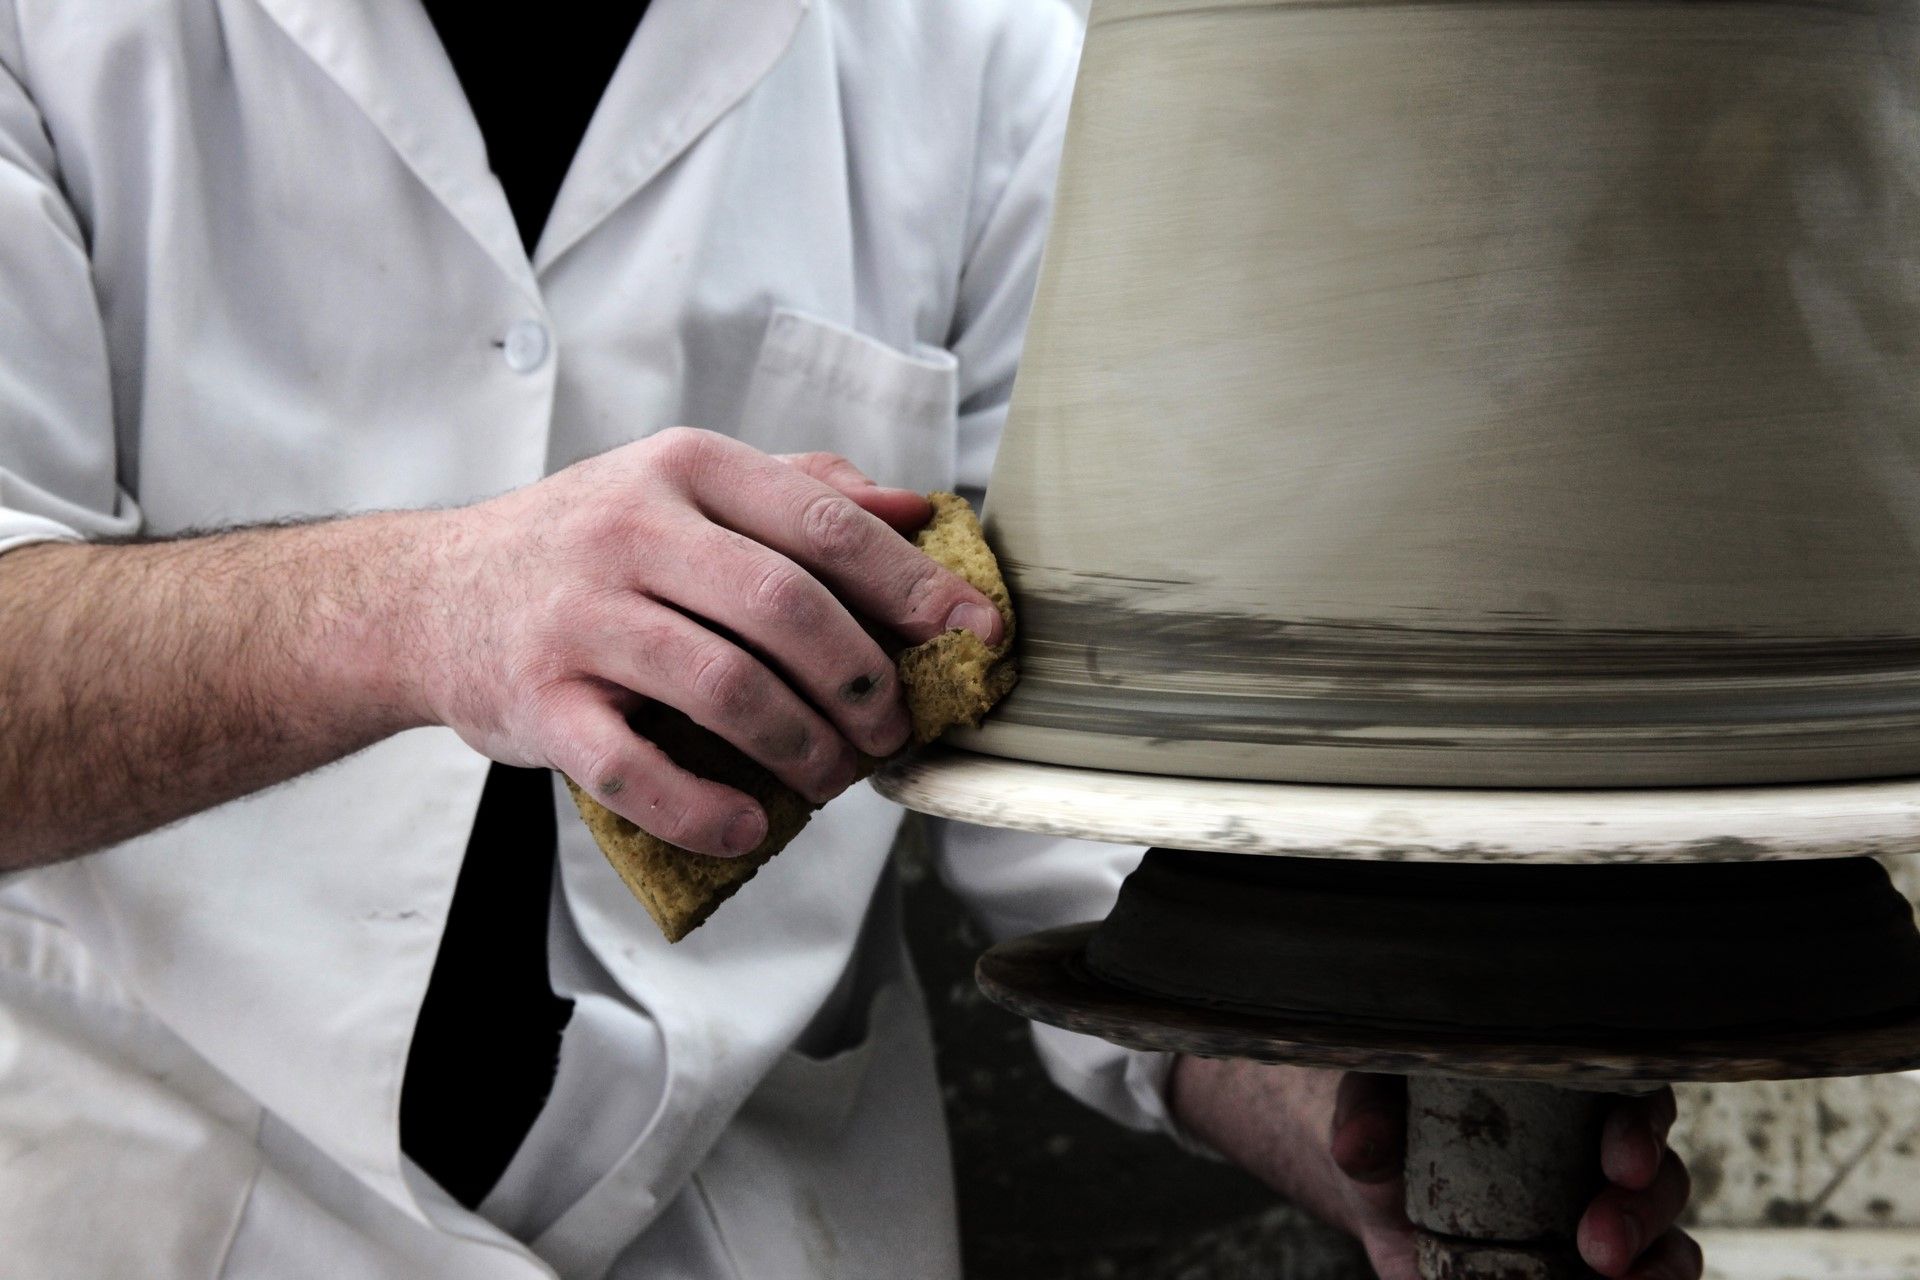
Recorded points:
(386,57)
(690,63)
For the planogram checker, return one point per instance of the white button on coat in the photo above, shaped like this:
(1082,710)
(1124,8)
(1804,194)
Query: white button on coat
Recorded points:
(526,346)
(810,223)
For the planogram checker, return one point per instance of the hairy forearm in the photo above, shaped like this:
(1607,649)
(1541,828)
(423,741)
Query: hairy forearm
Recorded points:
(1271,1121)
(142,683)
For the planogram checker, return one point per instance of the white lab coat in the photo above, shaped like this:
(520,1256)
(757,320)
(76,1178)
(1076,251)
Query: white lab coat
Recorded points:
(253,265)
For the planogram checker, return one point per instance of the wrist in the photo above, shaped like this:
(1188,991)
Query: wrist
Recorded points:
(1274,1121)
(1194,1088)
(1186,1076)
(379,616)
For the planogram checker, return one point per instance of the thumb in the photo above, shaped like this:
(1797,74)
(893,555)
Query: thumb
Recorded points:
(1369,1135)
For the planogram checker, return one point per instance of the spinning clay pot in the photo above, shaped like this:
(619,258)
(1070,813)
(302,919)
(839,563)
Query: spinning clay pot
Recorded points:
(1475,395)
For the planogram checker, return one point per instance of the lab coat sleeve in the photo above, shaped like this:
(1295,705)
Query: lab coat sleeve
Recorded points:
(58,468)
(1018,883)
(1020,158)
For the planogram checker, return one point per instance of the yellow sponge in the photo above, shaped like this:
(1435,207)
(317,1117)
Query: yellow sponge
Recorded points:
(952,679)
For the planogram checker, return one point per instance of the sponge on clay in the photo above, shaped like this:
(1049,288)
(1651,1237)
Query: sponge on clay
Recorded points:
(952,679)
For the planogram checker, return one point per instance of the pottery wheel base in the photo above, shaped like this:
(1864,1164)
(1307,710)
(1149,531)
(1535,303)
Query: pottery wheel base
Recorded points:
(1750,947)
(1044,978)
(1501,1127)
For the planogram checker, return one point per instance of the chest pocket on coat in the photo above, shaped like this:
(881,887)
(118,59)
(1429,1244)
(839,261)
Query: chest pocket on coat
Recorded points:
(820,386)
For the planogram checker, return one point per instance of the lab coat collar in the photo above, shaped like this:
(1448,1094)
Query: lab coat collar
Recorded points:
(691,62)
(386,56)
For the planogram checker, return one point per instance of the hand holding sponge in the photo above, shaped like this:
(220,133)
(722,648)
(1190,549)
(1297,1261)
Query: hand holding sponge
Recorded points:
(952,679)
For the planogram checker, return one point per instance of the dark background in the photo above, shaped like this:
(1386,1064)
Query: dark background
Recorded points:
(1050,1190)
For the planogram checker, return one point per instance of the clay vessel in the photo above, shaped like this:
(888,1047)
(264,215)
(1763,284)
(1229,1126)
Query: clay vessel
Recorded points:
(1475,394)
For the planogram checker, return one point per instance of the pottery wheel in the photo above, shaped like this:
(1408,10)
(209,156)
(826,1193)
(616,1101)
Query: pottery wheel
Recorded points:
(1418,824)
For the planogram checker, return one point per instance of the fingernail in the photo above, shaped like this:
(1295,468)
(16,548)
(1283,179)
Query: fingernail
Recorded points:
(976,618)
(1631,1226)
(746,831)
(894,737)
(839,775)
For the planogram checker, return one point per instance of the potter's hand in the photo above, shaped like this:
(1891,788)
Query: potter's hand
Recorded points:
(1333,1143)
(698,572)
